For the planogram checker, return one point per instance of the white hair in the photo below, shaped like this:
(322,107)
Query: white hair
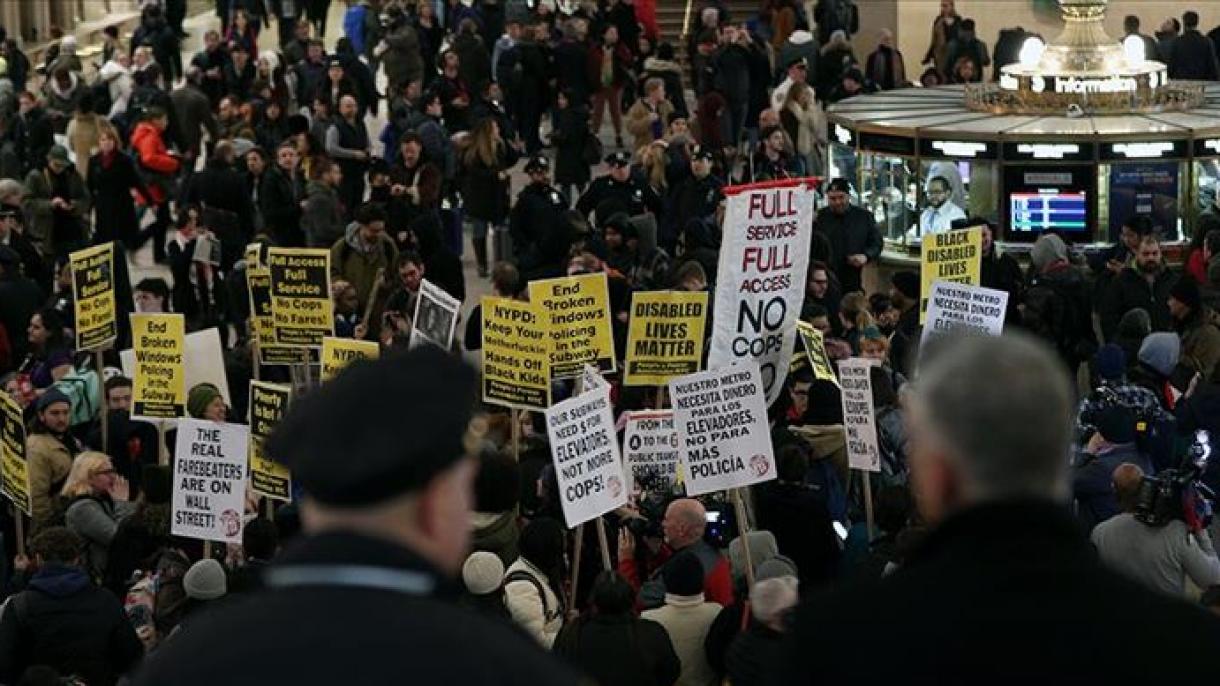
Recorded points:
(771,598)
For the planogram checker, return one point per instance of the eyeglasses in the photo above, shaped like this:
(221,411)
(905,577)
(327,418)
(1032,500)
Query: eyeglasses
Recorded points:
(821,282)
(103,472)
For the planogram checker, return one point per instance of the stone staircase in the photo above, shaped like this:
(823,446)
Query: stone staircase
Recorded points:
(672,13)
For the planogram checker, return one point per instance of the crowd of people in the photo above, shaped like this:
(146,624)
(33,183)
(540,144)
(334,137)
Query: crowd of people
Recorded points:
(1015,473)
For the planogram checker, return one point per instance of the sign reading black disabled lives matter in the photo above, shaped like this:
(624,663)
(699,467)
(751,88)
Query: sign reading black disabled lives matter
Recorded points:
(723,438)
(760,281)
(268,403)
(209,481)
(665,338)
(650,451)
(515,354)
(955,307)
(584,448)
(14,468)
(578,308)
(301,308)
(159,386)
(955,256)
(93,292)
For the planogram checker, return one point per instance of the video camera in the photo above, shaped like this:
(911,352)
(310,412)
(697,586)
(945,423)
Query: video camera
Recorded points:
(654,499)
(1179,493)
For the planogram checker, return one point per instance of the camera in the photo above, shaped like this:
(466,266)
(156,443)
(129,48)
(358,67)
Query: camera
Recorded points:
(1179,493)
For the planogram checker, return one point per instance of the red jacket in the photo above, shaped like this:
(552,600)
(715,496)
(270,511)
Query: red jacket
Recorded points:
(646,14)
(153,156)
(717,576)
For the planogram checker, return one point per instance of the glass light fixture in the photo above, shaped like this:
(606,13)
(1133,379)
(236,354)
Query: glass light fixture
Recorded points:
(1031,51)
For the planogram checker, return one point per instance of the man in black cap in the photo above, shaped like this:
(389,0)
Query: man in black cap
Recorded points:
(386,523)
(540,233)
(19,300)
(1112,444)
(1193,322)
(853,235)
(695,197)
(619,187)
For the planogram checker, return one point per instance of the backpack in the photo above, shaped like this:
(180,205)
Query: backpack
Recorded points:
(1051,314)
(154,603)
(522,575)
(83,388)
(353,26)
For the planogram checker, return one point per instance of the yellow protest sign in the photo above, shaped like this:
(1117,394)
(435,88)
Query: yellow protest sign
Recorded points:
(955,256)
(268,403)
(516,354)
(262,325)
(14,470)
(815,352)
(301,308)
(337,353)
(159,388)
(93,290)
(579,311)
(665,338)
(253,256)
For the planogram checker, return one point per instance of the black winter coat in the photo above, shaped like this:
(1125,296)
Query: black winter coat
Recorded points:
(279,200)
(851,233)
(387,630)
(539,231)
(1193,57)
(114,207)
(619,651)
(1130,290)
(570,166)
(485,194)
(995,582)
(1001,272)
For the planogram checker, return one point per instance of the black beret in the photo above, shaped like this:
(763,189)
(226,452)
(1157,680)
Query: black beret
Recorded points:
(379,429)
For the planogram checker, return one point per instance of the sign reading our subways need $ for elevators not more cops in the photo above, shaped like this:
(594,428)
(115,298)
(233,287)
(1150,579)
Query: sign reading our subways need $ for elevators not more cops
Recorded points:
(723,438)
(585,452)
(209,481)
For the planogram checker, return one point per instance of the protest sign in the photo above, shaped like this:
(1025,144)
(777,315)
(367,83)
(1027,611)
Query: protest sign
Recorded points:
(665,338)
(268,403)
(301,308)
(337,353)
(258,285)
(203,362)
(858,417)
(650,451)
(815,350)
(760,281)
(159,386)
(93,292)
(209,480)
(723,438)
(955,256)
(578,312)
(585,451)
(435,318)
(14,469)
(590,378)
(970,309)
(516,361)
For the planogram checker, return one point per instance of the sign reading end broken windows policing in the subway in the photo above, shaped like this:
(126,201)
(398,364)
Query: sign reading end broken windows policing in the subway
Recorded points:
(584,449)
(723,438)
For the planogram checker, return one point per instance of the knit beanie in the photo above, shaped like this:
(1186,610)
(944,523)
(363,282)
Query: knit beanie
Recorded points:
(683,575)
(1186,291)
(482,572)
(51,397)
(1047,249)
(1160,351)
(199,398)
(762,548)
(1111,362)
(1135,324)
(205,580)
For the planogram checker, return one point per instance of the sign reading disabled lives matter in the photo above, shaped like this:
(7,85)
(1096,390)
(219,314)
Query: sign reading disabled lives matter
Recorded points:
(159,387)
(579,312)
(93,295)
(516,365)
(954,307)
(858,417)
(585,452)
(209,481)
(665,338)
(301,308)
(723,438)
(650,451)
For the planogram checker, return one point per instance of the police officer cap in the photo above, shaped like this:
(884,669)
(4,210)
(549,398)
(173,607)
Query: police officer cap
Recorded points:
(618,159)
(537,163)
(379,429)
(702,153)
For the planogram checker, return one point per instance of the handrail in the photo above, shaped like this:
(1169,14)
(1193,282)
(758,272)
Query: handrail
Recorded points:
(686,19)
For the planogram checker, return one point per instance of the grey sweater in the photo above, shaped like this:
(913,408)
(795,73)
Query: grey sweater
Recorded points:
(96,523)
(1158,557)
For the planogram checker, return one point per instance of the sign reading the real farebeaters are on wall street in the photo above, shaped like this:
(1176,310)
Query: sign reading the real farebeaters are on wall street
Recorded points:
(337,353)
(301,308)
(435,318)
(650,451)
(665,338)
(93,291)
(815,352)
(159,388)
(955,256)
(858,417)
(584,448)
(209,481)
(723,438)
(964,309)
(760,282)
(516,359)
(14,469)
(578,309)
(268,403)
(258,283)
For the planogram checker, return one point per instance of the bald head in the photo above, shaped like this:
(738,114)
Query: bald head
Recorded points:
(685,520)
(1127,479)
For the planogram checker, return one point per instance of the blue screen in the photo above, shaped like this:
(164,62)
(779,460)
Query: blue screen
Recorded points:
(1048,210)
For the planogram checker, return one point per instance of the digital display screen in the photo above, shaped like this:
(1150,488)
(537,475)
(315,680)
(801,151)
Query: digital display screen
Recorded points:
(1049,210)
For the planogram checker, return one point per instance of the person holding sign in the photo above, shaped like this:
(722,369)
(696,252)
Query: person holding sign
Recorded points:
(1003,555)
(383,529)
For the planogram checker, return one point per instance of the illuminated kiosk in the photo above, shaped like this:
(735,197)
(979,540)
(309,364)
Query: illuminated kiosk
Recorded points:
(1076,137)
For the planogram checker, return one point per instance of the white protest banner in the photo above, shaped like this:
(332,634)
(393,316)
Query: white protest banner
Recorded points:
(723,438)
(760,282)
(585,451)
(591,378)
(959,307)
(209,480)
(435,318)
(650,451)
(858,417)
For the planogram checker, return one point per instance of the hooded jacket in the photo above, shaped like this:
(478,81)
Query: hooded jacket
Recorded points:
(541,619)
(356,262)
(322,218)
